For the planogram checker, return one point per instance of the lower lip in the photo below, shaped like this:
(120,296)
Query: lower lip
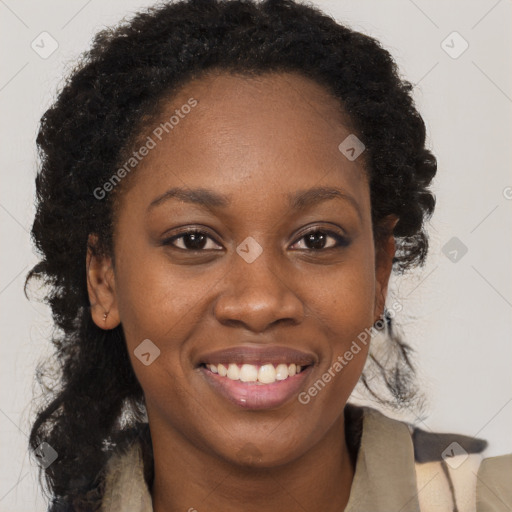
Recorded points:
(251,395)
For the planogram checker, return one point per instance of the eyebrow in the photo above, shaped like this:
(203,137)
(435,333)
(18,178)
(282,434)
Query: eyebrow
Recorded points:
(209,199)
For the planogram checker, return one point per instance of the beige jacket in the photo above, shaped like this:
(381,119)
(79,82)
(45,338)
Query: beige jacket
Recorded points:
(399,469)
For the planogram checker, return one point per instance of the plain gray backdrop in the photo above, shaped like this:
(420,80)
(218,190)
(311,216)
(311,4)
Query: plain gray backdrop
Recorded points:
(457,309)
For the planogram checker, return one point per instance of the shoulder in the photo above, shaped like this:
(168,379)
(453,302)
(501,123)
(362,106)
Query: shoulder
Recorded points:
(446,465)
(494,484)
(452,468)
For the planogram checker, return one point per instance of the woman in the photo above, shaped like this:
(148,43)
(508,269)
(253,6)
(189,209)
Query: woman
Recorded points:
(225,189)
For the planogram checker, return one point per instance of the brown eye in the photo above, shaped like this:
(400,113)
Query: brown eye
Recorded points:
(192,240)
(318,239)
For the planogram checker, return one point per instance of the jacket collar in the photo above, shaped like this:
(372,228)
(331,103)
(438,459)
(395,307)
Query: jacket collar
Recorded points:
(385,476)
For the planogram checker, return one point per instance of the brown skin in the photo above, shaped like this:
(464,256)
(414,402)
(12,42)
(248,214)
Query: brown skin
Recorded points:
(256,140)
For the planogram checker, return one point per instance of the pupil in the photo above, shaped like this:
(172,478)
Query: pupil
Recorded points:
(315,240)
(197,241)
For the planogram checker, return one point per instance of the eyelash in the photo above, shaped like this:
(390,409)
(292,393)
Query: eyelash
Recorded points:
(341,241)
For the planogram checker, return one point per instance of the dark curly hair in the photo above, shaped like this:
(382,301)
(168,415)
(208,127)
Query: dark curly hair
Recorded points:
(112,93)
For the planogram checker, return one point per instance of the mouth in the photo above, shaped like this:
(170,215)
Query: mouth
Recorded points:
(256,376)
(279,387)
(262,375)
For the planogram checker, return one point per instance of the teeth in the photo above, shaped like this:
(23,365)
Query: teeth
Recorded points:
(223,371)
(264,374)
(248,373)
(233,372)
(267,374)
(282,371)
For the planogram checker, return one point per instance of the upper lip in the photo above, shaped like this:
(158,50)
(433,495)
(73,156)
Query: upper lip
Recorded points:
(262,354)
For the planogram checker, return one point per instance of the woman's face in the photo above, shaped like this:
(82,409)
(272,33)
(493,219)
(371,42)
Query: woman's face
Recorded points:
(279,274)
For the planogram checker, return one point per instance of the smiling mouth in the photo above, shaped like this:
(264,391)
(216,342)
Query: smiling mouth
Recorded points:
(256,374)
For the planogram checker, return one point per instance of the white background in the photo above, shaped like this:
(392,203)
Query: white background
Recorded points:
(456,315)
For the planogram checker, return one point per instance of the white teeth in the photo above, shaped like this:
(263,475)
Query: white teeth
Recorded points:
(233,372)
(282,371)
(267,374)
(264,374)
(248,373)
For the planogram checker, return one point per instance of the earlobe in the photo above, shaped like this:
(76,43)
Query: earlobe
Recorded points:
(383,266)
(101,287)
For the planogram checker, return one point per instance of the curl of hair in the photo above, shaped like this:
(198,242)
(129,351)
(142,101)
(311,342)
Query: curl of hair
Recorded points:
(114,89)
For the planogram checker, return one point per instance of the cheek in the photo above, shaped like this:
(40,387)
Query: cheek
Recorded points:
(158,303)
(344,298)
(344,308)
(345,316)
(155,298)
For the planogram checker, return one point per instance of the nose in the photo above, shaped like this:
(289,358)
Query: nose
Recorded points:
(256,296)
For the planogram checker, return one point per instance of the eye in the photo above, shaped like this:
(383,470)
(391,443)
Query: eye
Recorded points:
(190,240)
(317,239)
(197,240)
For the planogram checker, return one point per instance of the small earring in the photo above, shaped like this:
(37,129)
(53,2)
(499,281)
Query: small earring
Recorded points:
(105,316)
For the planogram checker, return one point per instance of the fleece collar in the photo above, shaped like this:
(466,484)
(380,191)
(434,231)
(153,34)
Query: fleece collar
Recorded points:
(125,487)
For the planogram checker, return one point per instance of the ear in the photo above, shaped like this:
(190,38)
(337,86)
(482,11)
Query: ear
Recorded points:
(383,264)
(101,286)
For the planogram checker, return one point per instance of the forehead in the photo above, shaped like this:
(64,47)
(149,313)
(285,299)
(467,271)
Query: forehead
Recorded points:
(256,134)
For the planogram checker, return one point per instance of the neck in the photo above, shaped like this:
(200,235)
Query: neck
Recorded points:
(186,479)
